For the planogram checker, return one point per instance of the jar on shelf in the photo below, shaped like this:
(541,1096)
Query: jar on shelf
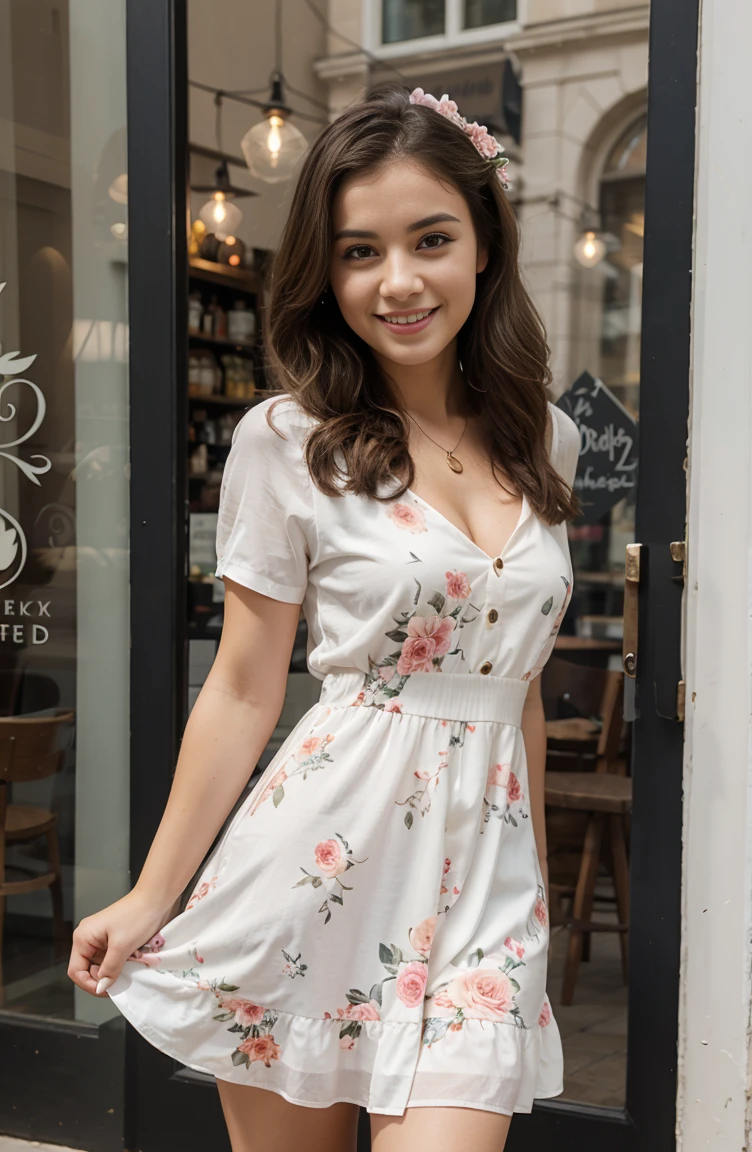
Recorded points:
(194,370)
(241,322)
(207,375)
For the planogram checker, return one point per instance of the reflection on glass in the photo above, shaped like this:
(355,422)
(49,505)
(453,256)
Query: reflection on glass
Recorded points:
(590,1000)
(64,460)
(479,13)
(409,19)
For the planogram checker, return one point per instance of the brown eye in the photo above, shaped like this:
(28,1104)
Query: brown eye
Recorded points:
(436,236)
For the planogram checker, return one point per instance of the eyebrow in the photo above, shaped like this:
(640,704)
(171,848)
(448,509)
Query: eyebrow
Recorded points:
(426,222)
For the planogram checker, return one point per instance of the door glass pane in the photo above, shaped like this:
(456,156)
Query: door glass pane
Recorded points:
(409,19)
(587,983)
(64,460)
(479,13)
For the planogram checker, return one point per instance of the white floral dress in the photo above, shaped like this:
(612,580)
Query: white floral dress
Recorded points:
(371,926)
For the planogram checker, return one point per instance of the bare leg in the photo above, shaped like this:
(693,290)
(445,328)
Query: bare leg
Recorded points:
(441,1130)
(259,1120)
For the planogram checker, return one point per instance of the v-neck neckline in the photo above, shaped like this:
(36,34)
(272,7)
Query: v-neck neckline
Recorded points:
(524,512)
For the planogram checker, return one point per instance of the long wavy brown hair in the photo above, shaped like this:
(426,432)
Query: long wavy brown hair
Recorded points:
(360,438)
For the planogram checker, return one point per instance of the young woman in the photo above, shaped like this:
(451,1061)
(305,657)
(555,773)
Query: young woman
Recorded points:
(370,927)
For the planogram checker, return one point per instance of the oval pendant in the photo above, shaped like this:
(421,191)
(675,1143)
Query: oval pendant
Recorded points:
(453,462)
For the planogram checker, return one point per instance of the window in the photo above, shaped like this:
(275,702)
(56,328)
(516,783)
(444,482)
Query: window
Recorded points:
(406,20)
(480,13)
(411,19)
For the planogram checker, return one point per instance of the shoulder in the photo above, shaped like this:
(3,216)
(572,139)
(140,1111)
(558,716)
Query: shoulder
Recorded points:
(274,428)
(564,444)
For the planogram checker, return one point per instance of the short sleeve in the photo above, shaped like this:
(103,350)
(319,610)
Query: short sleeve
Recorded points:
(565,444)
(265,520)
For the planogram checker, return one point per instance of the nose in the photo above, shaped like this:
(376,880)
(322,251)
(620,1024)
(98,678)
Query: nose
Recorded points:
(400,278)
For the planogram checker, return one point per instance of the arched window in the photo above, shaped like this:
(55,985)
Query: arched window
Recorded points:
(622,206)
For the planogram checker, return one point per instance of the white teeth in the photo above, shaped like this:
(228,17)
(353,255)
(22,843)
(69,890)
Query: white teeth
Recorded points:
(412,319)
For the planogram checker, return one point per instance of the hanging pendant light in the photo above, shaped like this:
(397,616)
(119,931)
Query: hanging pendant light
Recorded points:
(219,214)
(272,149)
(589,249)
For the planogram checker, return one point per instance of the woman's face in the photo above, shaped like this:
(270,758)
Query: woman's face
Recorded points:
(404,261)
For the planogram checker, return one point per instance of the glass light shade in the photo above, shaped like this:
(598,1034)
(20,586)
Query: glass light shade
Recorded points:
(221,216)
(589,250)
(273,148)
(118,189)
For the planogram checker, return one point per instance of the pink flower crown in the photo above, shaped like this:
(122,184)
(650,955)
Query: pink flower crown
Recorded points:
(486,144)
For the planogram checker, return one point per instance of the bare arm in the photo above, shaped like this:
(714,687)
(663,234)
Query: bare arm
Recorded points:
(534,735)
(228,728)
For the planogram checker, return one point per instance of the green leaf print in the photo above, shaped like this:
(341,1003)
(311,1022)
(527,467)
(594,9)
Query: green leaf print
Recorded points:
(548,606)
(437,601)
(408,819)
(475,958)
(278,795)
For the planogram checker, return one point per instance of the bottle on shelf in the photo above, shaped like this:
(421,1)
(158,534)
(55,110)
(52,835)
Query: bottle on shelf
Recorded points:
(241,322)
(220,319)
(195,312)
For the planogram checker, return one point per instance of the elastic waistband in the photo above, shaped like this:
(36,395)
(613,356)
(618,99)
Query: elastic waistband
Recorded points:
(443,695)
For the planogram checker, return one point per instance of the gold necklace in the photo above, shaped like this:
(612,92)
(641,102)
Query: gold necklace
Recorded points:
(452,461)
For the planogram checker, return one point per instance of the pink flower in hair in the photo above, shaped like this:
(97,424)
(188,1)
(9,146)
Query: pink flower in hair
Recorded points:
(482,139)
(486,144)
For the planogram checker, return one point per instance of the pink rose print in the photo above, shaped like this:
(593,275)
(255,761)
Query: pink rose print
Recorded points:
(514,791)
(347,1042)
(515,947)
(394,707)
(329,858)
(441,1000)
(407,517)
(309,745)
(421,937)
(545,1016)
(457,585)
(482,993)
(498,776)
(278,778)
(369,1011)
(427,637)
(411,983)
(261,1048)
(447,865)
(540,913)
(246,1012)
(203,890)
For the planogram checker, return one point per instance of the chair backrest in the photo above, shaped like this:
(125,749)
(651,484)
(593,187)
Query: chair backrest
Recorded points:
(570,689)
(612,717)
(31,747)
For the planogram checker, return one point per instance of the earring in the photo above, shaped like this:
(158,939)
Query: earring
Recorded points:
(467,381)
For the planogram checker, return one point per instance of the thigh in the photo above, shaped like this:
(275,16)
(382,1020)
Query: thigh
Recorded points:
(441,1130)
(259,1120)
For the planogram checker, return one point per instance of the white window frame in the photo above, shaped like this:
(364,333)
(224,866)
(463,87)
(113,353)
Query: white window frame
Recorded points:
(454,35)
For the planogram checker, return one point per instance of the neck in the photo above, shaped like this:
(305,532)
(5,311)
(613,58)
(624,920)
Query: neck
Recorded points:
(434,391)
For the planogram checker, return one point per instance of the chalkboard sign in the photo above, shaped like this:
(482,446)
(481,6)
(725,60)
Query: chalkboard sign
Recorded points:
(607,468)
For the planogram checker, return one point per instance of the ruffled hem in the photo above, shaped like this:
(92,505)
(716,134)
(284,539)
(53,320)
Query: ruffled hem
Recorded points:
(387,1068)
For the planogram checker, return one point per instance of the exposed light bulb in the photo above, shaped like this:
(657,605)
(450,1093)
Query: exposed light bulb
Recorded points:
(589,250)
(220,215)
(273,148)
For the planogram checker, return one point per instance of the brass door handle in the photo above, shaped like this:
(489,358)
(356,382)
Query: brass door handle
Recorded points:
(631,593)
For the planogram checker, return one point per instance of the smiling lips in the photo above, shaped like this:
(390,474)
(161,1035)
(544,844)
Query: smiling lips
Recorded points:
(406,323)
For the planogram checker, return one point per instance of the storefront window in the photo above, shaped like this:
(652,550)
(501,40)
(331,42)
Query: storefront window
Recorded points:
(64,463)
(410,19)
(479,13)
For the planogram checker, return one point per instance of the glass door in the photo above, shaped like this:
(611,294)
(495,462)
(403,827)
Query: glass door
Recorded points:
(613,984)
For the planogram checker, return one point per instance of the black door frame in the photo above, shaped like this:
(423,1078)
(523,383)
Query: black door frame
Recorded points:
(647,1123)
(165,1102)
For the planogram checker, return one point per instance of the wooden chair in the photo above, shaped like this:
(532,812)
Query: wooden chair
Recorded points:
(30,749)
(605,796)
